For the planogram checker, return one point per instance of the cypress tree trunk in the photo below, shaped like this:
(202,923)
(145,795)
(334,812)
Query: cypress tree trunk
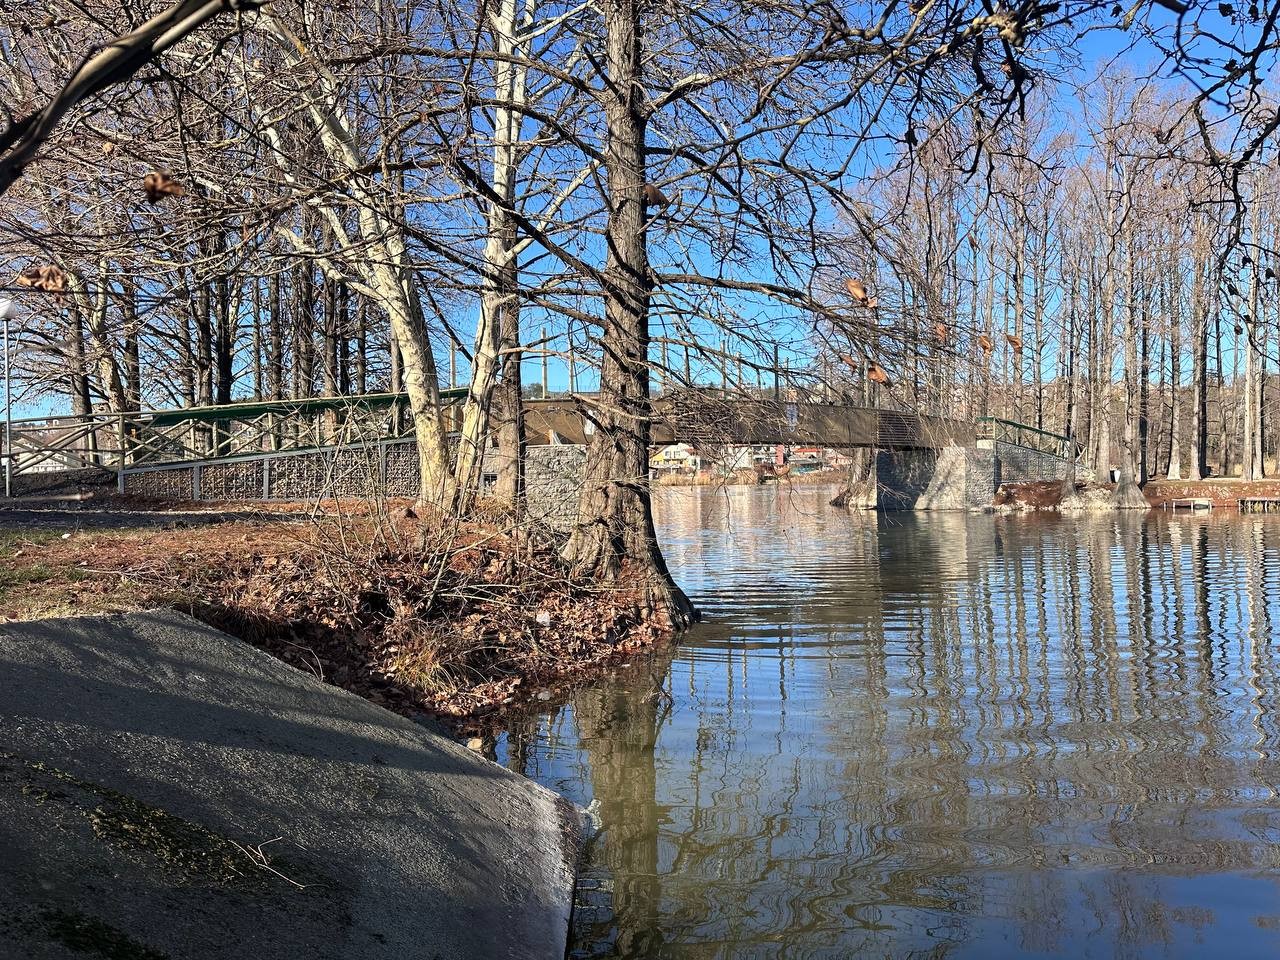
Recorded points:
(1128,494)
(1224,433)
(510,403)
(132,351)
(499,303)
(1174,468)
(615,530)
(1251,332)
(275,343)
(225,343)
(362,348)
(1196,459)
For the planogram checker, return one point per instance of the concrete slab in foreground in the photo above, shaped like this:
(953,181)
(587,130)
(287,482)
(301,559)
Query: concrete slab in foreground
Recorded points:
(169,792)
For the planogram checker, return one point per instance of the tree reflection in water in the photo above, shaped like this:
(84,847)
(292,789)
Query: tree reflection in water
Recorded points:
(937,736)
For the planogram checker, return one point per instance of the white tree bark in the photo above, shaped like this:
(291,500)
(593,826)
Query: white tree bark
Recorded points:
(380,261)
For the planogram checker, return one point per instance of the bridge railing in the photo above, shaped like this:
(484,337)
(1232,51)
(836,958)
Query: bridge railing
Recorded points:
(115,441)
(147,439)
(1024,435)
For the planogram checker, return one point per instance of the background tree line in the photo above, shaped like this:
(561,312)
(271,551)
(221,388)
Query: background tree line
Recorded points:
(320,199)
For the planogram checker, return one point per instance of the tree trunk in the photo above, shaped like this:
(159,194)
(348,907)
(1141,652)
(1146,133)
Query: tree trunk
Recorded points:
(1224,434)
(362,348)
(103,353)
(1174,313)
(615,529)
(275,344)
(1197,466)
(510,402)
(1251,332)
(499,291)
(132,351)
(226,341)
(304,318)
(1130,464)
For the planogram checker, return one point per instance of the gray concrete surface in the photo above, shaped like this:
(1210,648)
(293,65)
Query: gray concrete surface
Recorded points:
(167,791)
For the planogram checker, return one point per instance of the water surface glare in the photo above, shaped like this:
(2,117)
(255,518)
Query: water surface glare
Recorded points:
(936,736)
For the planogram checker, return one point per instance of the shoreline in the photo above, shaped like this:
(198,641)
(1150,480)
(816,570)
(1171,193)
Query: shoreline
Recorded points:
(464,631)
(462,625)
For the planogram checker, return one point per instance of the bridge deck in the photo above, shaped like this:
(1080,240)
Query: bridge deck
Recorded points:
(153,438)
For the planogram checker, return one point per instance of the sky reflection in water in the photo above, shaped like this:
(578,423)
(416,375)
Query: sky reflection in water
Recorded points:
(936,736)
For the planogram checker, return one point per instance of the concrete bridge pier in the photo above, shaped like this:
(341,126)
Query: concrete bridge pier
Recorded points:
(959,477)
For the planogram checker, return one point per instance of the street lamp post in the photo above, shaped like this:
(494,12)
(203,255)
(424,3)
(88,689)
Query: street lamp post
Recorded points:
(6,310)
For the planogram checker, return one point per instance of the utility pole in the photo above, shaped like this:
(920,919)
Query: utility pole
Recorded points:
(546,363)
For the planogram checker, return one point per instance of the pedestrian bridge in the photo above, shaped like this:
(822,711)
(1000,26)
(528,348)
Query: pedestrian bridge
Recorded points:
(155,440)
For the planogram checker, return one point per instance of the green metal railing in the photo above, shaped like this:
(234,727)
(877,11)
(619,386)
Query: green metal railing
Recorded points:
(1023,435)
(114,441)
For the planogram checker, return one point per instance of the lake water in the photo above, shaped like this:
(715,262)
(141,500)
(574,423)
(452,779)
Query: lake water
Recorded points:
(936,736)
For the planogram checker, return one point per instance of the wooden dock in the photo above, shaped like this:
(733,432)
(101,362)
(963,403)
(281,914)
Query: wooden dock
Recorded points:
(1189,503)
(1259,504)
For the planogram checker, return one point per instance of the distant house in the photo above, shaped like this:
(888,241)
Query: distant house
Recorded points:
(837,459)
(676,458)
(805,459)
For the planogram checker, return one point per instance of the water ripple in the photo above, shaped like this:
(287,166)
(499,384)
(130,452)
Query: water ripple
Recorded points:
(937,736)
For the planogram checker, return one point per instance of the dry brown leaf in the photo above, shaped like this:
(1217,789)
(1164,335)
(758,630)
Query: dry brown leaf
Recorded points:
(48,278)
(849,361)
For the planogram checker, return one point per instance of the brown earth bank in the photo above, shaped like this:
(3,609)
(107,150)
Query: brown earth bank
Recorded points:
(461,620)
(1223,492)
(1029,495)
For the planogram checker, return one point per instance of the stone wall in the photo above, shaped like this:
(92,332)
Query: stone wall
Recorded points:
(552,481)
(902,477)
(964,479)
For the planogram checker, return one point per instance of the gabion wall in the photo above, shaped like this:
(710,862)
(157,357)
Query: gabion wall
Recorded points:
(296,478)
(231,481)
(552,478)
(1022,464)
(355,472)
(401,466)
(175,484)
